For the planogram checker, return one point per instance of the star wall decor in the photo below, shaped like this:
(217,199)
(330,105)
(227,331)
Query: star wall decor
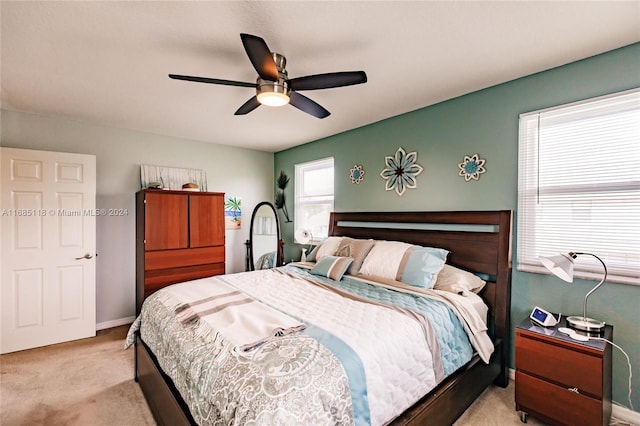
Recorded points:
(401,171)
(471,167)
(356,174)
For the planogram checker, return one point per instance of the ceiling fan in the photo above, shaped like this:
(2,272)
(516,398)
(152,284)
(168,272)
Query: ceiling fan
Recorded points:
(274,87)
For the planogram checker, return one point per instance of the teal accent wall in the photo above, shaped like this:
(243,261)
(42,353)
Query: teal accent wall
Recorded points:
(484,122)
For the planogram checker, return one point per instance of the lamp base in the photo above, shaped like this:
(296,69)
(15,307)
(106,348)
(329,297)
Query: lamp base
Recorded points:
(589,325)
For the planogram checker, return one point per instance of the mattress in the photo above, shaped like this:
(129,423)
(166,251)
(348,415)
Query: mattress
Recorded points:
(358,352)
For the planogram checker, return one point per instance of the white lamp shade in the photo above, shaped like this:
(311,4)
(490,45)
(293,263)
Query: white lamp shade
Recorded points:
(561,265)
(302,236)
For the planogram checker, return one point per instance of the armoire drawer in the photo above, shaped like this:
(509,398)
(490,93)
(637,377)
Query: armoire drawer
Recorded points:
(164,259)
(159,278)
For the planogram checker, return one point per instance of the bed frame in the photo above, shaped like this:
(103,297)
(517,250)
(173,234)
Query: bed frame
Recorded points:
(478,241)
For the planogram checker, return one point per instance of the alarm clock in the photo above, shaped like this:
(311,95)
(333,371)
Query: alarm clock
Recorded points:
(542,317)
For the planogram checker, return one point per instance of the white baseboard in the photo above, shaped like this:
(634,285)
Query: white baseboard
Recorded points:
(625,415)
(114,323)
(620,413)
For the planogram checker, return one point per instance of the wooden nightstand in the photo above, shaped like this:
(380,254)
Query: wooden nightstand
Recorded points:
(560,380)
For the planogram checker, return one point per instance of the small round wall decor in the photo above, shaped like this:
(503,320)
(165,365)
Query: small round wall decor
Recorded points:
(356,174)
(401,171)
(471,167)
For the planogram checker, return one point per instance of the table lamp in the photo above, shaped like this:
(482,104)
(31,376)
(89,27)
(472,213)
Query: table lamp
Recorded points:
(562,266)
(303,236)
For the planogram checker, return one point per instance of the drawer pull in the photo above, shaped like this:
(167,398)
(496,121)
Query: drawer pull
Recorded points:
(573,390)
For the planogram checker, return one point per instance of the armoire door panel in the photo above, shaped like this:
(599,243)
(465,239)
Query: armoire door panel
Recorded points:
(206,219)
(166,221)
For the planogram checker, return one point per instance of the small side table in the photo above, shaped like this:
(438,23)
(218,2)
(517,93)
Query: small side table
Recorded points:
(560,380)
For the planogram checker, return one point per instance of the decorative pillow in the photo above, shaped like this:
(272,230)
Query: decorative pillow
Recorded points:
(327,248)
(413,265)
(357,249)
(423,266)
(332,267)
(458,281)
(384,258)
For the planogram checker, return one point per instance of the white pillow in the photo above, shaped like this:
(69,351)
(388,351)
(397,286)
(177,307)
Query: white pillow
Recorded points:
(456,280)
(384,258)
(414,265)
(329,247)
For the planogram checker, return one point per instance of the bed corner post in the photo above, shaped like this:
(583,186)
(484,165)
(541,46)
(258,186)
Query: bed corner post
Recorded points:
(503,296)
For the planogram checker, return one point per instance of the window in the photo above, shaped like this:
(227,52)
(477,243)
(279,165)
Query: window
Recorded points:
(314,197)
(579,186)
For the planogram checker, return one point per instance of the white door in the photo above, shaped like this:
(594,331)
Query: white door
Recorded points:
(48,231)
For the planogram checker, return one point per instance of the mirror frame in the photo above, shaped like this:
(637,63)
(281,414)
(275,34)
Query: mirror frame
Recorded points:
(250,266)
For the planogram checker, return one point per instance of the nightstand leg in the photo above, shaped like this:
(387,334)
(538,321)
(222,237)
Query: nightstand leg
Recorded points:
(523,417)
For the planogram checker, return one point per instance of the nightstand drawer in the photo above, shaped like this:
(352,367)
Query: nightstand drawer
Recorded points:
(564,366)
(564,406)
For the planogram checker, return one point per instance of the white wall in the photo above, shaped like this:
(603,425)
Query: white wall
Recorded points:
(243,173)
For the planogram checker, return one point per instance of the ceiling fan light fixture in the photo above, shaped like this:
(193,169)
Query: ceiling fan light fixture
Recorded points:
(273,98)
(273,93)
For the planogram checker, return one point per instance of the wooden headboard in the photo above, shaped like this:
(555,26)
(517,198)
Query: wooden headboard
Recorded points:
(478,241)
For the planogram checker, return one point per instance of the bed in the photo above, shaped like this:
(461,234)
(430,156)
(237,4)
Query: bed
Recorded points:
(478,242)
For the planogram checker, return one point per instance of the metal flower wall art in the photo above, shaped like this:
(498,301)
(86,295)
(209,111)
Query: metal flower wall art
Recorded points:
(356,174)
(401,171)
(471,167)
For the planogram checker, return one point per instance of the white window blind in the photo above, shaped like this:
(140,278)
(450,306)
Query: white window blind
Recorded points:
(314,197)
(579,186)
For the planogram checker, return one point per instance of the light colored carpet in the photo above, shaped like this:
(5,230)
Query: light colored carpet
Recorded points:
(90,382)
(494,407)
(87,382)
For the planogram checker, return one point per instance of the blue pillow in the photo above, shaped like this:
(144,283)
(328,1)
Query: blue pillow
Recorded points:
(421,265)
(332,267)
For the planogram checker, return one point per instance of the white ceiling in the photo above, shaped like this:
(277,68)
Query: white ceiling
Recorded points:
(107,62)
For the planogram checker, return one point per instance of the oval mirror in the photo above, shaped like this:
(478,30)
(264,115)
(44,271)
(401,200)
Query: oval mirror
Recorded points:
(264,246)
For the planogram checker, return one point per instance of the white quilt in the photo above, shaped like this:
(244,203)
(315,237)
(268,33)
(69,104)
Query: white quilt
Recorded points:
(385,340)
(399,365)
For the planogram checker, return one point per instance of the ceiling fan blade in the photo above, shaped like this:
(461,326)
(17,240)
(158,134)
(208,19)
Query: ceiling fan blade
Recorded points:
(248,106)
(260,56)
(212,80)
(328,80)
(307,105)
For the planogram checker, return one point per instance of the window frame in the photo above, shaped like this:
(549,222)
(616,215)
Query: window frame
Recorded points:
(327,198)
(532,194)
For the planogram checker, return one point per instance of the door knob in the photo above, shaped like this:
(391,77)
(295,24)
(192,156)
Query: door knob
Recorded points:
(86,256)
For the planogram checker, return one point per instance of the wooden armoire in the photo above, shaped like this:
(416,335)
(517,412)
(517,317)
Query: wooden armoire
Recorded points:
(180,236)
